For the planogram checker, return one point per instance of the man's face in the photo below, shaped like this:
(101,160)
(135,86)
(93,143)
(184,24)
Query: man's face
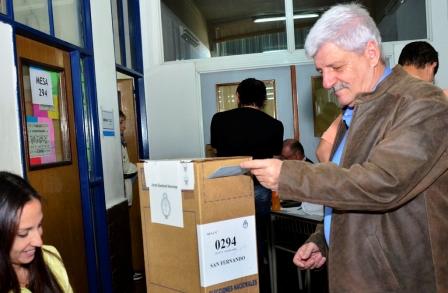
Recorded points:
(122,125)
(288,154)
(347,73)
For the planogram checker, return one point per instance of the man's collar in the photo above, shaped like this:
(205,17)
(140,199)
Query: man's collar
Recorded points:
(396,73)
(386,73)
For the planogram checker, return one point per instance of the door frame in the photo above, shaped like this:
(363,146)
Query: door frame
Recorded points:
(91,182)
(58,60)
(140,108)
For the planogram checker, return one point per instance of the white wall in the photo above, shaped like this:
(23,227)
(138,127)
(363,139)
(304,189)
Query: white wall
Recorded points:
(10,146)
(106,83)
(438,30)
(174,112)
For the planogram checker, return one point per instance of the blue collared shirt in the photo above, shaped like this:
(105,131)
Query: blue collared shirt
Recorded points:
(347,118)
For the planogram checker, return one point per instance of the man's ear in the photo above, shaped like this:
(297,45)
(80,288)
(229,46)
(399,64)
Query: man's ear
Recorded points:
(428,72)
(372,52)
(433,66)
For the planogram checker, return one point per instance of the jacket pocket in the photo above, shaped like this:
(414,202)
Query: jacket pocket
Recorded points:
(379,268)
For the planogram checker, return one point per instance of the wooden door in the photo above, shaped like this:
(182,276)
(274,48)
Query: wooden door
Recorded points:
(127,105)
(51,158)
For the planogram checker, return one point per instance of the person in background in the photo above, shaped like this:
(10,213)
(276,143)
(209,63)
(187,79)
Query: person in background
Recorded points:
(418,59)
(385,226)
(129,174)
(323,150)
(293,150)
(129,169)
(248,131)
(26,265)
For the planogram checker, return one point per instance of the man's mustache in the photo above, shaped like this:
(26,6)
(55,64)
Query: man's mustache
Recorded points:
(339,86)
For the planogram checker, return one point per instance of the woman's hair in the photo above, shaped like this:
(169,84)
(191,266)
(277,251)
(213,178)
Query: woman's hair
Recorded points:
(252,92)
(15,192)
(348,26)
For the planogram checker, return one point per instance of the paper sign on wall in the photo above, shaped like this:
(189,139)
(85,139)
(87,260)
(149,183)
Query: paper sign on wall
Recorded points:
(47,111)
(108,123)
(41,140)
(41,86)
(227,250)
(53,112)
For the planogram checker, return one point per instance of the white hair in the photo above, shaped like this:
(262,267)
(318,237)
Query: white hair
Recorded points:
(348,26)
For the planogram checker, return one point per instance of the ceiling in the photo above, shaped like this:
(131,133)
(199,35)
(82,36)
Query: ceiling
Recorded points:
(219,11)
(231,19)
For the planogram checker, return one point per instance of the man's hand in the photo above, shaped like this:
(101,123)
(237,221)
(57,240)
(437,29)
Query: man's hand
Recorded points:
(267,171)
(308,256)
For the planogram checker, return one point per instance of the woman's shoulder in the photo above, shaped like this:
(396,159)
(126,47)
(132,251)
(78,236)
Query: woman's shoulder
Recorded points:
(51,255)
(51,249)
(54,262)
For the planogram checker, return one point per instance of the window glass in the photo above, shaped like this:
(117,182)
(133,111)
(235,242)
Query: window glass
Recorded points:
(127,34)
(3,6)
(67,15)
(115,27)
(32,13)
(194,29)
(391,16)
(123,21)
(204,28)
(87,113)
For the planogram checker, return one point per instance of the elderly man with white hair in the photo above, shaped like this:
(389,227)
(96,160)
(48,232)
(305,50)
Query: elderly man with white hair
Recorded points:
(386,188)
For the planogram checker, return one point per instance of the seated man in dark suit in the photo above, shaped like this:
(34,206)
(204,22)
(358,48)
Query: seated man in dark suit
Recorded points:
(293,150)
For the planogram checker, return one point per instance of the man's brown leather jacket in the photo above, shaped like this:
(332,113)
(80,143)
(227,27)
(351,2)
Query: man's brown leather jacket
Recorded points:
(389,230)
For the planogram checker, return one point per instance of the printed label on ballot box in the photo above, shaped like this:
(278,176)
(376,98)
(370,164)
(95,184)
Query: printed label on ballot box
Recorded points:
(227,250)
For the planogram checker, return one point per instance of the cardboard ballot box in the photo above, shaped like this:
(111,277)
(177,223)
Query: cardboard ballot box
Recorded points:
(198,232)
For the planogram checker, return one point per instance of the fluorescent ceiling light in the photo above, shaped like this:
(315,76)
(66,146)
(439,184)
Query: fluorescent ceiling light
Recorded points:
(268,19)
(281,18)
(303,16)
